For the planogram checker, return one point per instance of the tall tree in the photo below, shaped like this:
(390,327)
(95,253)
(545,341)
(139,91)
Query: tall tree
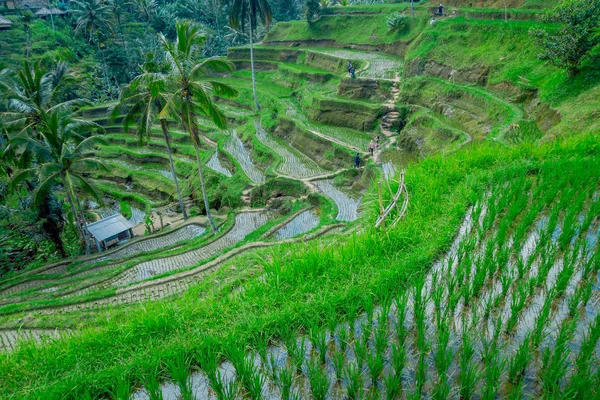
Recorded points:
(190,86)
(250,11)
(61,157)
(32,92)
(118,9)
(93,20)
(141,102)
(569,47)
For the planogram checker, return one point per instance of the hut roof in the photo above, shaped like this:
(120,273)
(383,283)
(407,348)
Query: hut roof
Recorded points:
(49,11)
(5,21)
(109,227)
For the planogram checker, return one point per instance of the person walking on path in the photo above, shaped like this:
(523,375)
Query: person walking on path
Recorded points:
(350,68)
(377,140)
(371,147)
(441,10)
(357,161)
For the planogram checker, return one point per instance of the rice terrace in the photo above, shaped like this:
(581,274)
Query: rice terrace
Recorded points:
(299,199)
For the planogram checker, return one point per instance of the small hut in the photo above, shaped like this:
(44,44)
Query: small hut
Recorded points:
(47,12)
(110,231)
(5,23)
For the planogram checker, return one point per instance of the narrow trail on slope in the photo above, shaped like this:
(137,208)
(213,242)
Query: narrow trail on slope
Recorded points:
(388,120)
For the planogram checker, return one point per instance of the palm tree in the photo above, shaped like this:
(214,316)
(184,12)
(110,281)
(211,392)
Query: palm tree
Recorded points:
(118,8)
(251,10)
(190,87)
(93,17)
(33,92)
(141,102)
(61,157)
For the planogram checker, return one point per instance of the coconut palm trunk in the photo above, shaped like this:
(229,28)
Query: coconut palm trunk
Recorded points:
(252,66)
(76,216)
(203,188)
(165,129)
(80,216)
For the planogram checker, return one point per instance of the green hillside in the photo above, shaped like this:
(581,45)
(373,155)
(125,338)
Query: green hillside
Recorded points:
(459,259)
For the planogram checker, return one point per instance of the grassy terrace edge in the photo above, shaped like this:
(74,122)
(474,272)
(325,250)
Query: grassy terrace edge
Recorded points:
(322,282)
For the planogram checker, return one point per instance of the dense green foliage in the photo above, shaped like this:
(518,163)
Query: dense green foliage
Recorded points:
(573,44)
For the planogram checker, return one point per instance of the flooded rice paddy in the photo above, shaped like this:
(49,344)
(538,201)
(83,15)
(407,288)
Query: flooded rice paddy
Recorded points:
(293,163)
(302,223)
(236,148)
(346,203)
(245,223)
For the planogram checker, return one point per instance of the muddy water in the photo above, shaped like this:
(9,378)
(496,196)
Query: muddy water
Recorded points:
(236,148)
(245,223)
(346,203)
(293,162)
(216,165)
(302,223)
(10,338)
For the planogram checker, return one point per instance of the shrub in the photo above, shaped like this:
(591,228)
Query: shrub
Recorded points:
(398,22)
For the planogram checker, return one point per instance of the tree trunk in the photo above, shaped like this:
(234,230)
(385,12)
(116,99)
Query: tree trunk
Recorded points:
(86,234)
(204,195)
(165,129)
(252,65)
(73,210)
(104,73)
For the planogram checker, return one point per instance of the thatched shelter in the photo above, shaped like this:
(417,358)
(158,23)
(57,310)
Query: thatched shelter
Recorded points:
(5,23)
(45,12)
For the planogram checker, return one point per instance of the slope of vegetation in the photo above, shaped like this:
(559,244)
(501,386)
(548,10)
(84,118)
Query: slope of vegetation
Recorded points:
(484,287)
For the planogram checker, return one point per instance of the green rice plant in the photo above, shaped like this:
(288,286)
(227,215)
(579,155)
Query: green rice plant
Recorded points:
(519,298)
(542,320)
(393,386)
(297,350)
(343,334)
(563,278)
(317,377)
(441,389)
(555,359)
(581,384)
(262,344)
(179,369)
(121,389)
(369,307)
(443,355)
(401,331)
(421,372)
(271,366)
(247,371)
(210,366)
(285,378)
(318,337)
(375,366)
(398,358)
(367,330)
(231,390)
(469,374)
(152,386)
(381,336)
(519,362)
(339,359)
(515,391)
(494,368)
(353,375)
(360,352)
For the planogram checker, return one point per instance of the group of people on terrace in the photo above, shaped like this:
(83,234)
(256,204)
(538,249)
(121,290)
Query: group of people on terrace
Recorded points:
(372,146)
